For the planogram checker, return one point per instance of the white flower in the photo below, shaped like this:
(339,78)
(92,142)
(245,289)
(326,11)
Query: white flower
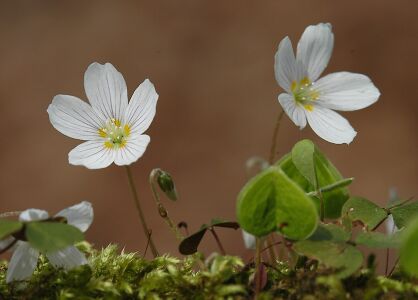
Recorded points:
(310,99)
(249,240)
(391,228)
(25,257)
(112,128)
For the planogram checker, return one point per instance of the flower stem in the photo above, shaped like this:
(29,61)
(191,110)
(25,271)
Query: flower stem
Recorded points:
(162,211)
(272,157)
(274,138)
(257,277)
(147,232)
(320,196)
(393,268)
(218,241)
(387,261)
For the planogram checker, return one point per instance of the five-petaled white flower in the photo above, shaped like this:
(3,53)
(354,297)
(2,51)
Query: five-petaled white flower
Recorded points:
(25,257)
(312,100)
(112,128)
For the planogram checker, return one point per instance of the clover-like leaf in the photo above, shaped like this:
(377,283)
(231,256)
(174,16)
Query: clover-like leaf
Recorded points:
(403,214)
(409,249)
(190,244)
(52,236)
(271,201)
(343,257)
(330,232)
(303,158)
(379,240)
(365,211)
(326,174)
(8,227)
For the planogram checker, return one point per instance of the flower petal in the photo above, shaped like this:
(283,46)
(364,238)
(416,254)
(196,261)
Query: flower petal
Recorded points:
(330,126)
(134,149)
(74,118)
(390,225)
(23,262)
(142,107)
(106,90)
(92,155)
(68,258)
(346,91)
(315,49)
(4,243)
(249,240)
(285,65)
(79,215)
(33,214)
(294,111)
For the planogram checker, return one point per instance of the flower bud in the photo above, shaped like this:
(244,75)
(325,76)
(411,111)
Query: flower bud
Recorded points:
(166,183)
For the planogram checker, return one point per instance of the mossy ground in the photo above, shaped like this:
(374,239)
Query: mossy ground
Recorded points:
(115,275)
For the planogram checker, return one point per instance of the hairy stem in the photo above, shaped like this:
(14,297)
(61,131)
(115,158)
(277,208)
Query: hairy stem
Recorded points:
(257,277)
(274,138)
(387,261)
(141,216)
(162,211)
(218,241)
(320,196)
(393,268)
(272,157)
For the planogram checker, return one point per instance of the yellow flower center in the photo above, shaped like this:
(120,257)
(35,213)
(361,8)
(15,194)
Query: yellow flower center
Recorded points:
(304,93)
(115,134)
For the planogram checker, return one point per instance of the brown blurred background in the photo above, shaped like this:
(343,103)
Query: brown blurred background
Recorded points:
(212,64)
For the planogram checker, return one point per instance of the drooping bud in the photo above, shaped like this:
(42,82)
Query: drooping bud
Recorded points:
(166,183)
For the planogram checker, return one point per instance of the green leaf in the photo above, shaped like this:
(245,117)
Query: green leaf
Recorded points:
(409,249)
(8,227)
(303,159)
(403,214)
(365,211)
(330,232)
(271,201)
(341,256)
(326,174)
(52,236)
(378,240)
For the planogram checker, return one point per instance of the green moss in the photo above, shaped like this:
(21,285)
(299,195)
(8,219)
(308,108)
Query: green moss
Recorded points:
(114,275)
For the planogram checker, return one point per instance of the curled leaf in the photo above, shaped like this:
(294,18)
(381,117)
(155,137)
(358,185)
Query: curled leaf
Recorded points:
(307,165)
(190,244)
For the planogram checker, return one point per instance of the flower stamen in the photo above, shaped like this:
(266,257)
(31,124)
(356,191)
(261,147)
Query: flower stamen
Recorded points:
(115,134)
(304,93)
